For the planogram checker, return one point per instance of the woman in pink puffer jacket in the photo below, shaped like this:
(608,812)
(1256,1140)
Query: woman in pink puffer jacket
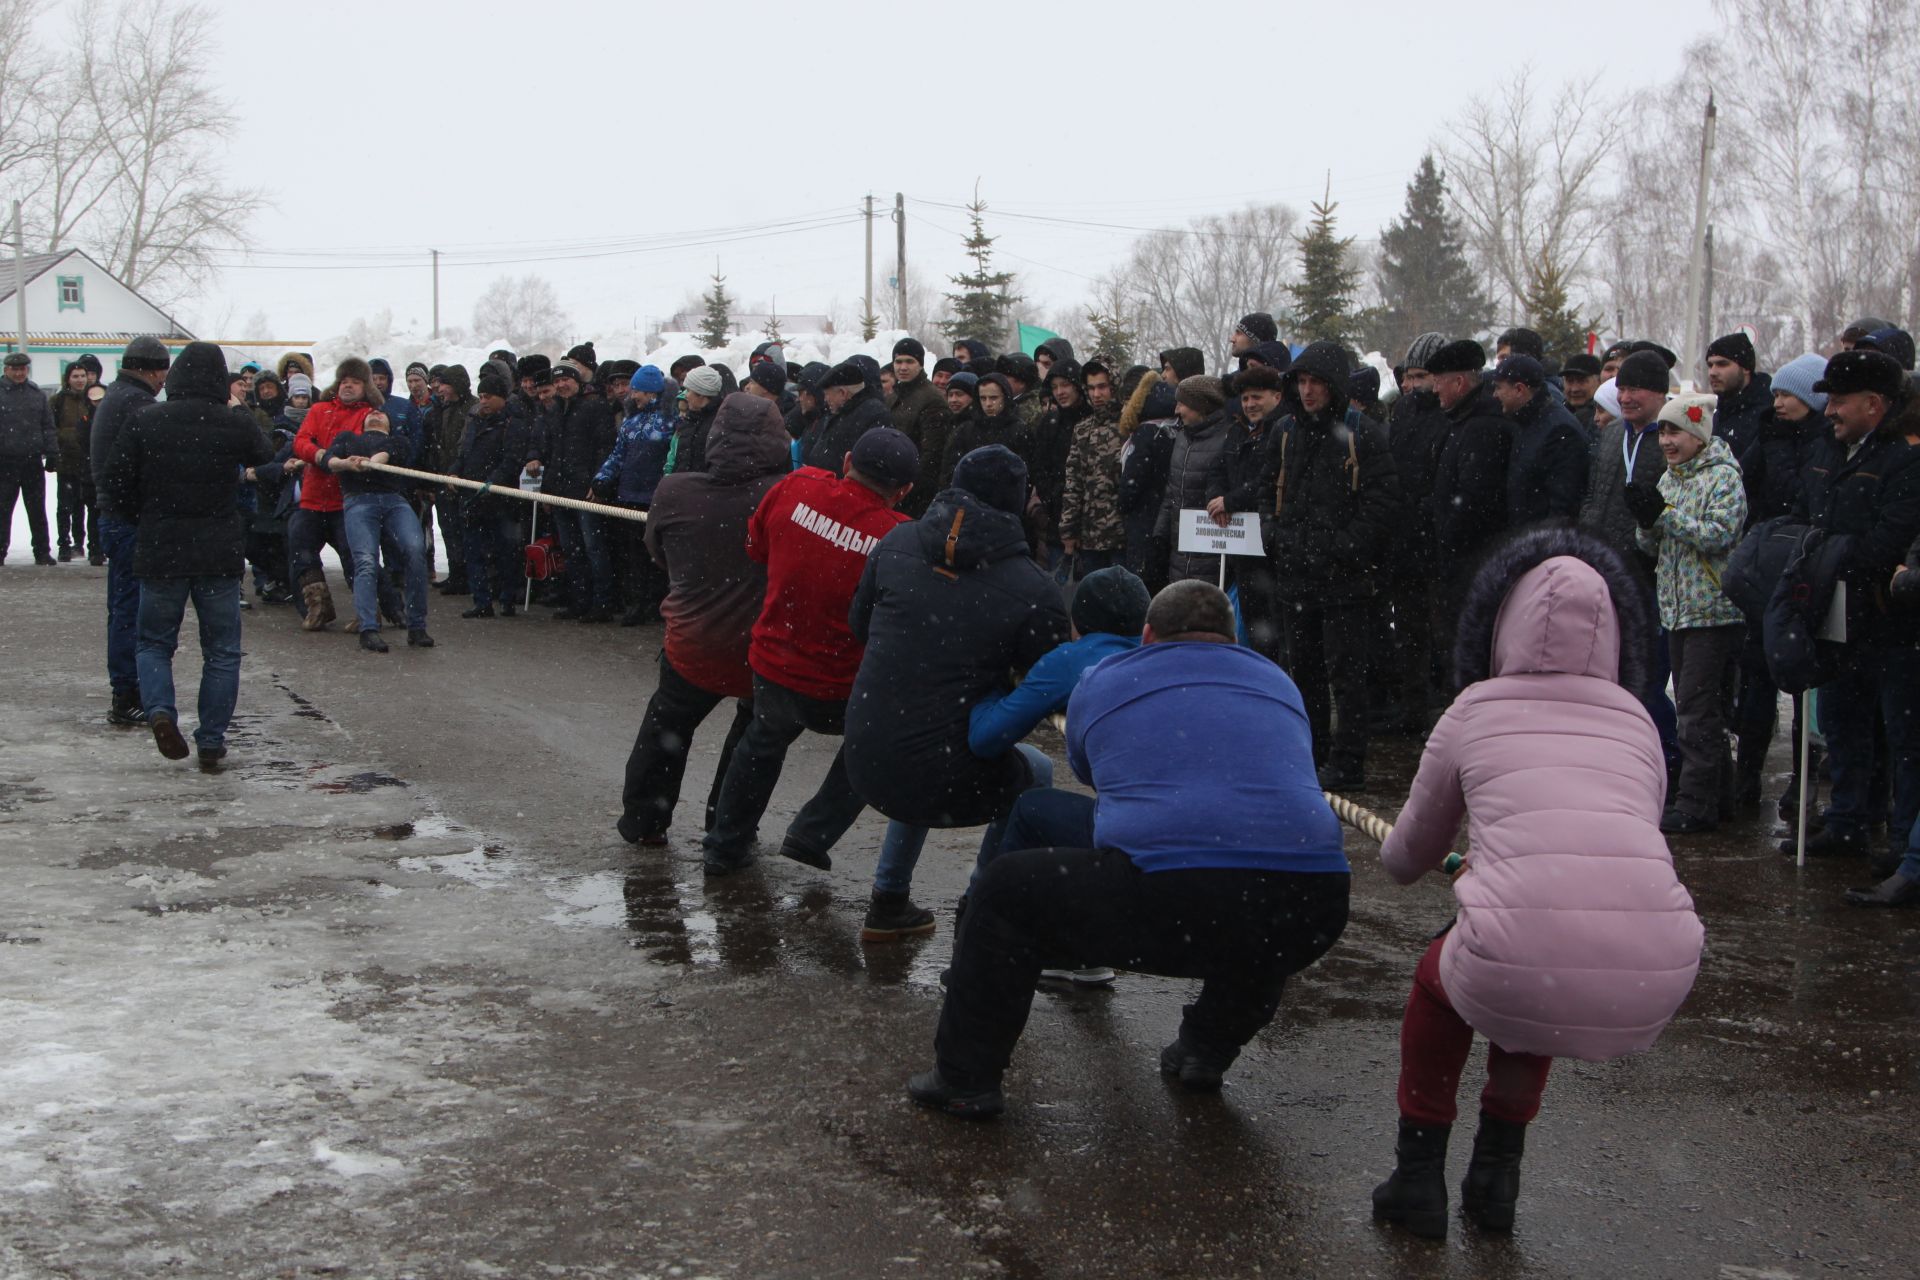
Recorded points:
(1574,937)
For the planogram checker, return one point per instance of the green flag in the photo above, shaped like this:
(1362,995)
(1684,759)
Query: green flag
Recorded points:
(1032,335)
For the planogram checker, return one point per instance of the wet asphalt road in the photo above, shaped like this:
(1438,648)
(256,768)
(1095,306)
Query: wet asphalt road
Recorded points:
(730,1102)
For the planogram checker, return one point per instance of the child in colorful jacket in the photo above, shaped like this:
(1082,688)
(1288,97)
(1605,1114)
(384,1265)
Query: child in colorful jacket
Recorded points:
(1690,522)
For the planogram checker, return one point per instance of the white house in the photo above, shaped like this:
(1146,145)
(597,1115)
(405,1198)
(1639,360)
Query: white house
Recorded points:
(76,306)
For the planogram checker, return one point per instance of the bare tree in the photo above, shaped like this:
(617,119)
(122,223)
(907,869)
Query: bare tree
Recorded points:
(926,309)
(23,78)
(525,312)
(1528,183)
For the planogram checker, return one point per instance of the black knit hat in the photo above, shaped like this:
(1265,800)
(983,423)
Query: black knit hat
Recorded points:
(583,355)
(1736,346)
(1462,355)
(1644,370)
(1186,361)
(910,347)
(1112,600)
(492,384)
(1018,365)
(770,374)
(1259,326)
(1896,342)
(947,364)
(994,474)
(887,455)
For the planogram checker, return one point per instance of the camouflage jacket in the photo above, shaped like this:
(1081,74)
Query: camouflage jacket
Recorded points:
(1090,503)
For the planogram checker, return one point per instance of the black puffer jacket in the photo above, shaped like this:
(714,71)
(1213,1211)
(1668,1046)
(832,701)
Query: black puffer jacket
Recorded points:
(580,435)
(947,606)
(494,450)
(1337,497)
(1191,468)
(175,468)
(1738,416)
(1249,464)
(1416,433)
(447,423)
(1547,469)
(126,397)
(1775,464)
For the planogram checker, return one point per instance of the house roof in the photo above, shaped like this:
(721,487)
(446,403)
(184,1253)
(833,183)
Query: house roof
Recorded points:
(38,264)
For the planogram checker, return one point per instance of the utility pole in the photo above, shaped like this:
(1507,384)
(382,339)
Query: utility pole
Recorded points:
(436,293)
(1689,329)
(1706,311)
(869,310)
(20,275)
(900,237)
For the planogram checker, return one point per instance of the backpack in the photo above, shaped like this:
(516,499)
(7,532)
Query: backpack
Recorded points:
(544,559)
(1797,610)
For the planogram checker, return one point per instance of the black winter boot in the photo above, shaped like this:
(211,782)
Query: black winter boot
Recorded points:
(1492,1184)
(1416,1195)
(126,710)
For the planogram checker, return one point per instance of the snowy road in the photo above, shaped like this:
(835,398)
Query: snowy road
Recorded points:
(388,998)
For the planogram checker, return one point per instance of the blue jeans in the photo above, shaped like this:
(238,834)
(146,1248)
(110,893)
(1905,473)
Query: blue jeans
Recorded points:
(374,518)
(589,578)
(1884,679)
(216,606)
(123,604)
(900,847)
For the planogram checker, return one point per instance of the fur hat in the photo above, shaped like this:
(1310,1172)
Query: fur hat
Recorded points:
(1735,346)
(535,366)
(1462,355)
(1512,560)
(1258,377)
(1691,414)
(1862,370)
(1200,393)
(355,367)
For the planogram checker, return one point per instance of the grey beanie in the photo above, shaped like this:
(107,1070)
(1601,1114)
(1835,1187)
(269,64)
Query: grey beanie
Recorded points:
(1424,348)
(704,381)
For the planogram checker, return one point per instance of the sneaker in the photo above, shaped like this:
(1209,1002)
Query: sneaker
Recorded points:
(417,638)
(1194,1072)
(802,854)
(479,611)
(930,1089)
(1100,977)
(210,758)
(372,643)
(126,711)
(892,917)
(166,736)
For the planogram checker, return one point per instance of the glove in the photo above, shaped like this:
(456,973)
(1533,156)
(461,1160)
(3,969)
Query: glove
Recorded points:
(1646,503)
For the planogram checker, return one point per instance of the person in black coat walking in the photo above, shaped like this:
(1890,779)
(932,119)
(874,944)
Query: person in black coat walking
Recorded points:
(143,369)
(946,607)
(1336,502)
(173,469)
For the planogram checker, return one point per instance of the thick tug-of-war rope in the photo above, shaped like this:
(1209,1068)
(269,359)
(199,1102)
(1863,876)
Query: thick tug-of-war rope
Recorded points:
(597,508)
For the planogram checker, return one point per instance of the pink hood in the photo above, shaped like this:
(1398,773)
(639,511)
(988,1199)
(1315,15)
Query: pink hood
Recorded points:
(1574,938)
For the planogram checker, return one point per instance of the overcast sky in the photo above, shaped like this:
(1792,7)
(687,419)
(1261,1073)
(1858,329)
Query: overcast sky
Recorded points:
(497,131)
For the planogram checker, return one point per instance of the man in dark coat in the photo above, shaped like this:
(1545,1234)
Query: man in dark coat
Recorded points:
(494,450)
(920,412)
(1580,375)
(581,431)
(1863,482)
(854,407)
(1411,656)
(173,469)
(1547,464)
(1336,502)
(446,427)
(143,370)
(947,606)
(1243,480)
(29,448)
(1468,501)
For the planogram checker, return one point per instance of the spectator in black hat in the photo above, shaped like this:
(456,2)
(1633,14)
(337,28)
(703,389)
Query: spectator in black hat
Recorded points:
(1468,499)
(1252,331)
(944,368)
(143,371)
(974,355)
(1851,336)
(1864,481)
(29,448)
(1745,396)
(768,381)
(1547,466)
(918,410)
(1181,363)
(1610,358)
(853,408)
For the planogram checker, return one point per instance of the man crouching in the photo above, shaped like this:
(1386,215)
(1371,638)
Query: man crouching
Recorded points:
(1213,855)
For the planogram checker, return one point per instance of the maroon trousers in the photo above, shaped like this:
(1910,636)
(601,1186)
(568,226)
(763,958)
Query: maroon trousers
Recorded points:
(1434,1044)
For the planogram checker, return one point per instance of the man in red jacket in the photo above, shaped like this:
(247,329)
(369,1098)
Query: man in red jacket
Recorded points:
(813,532)
(320,518)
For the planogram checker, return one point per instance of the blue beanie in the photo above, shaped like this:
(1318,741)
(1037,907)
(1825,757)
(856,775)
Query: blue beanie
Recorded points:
(1797,376)
(649,379)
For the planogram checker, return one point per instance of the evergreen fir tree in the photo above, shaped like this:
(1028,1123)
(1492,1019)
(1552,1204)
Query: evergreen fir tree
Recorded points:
(772,330)
(1550,314)
(1112,340)
(717,325)
(983,308)
(1323,296)
(1426,283)
(869,327)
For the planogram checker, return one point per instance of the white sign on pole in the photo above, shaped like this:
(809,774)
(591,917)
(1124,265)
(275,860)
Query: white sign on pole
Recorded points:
(1199,535)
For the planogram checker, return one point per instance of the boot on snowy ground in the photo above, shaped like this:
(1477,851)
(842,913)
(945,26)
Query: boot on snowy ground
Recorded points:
(317,599)
(1415,1196)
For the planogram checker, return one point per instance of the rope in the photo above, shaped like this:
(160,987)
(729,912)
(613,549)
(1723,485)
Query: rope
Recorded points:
(486,488)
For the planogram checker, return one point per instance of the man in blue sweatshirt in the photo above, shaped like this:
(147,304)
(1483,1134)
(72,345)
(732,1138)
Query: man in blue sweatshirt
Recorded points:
(1214,856)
